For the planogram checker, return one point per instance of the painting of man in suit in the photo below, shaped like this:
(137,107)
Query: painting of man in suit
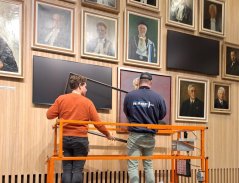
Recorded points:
(232,65)
(192,106)
(10,39)
(54,26)
(143,39)
(191,99)
(212,19)
(220,101)
(100,36)
(101,44)
(221,97)
(181,11)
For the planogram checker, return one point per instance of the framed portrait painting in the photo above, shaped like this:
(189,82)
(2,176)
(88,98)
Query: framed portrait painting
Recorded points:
(212,17)
(181,13)
(230,63)
(54,28)
(112,6)
(126,82)
(11,23)
(99,36)
(192,99)
(146,4)
(220,97)
(142,40)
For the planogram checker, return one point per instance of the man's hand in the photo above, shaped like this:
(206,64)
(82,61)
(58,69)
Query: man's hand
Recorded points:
(110,137)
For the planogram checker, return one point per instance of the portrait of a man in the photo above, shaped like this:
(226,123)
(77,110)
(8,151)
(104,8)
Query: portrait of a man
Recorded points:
(54,26)
(192,106)
(220,101)
(100,36)
(212,18)
(192,99)
(232,62)
(10,39)
(143,36)
(181,11)
(101,44)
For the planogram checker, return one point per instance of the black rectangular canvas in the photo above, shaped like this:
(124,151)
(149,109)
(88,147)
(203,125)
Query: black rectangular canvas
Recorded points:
(50,78)
(192,53)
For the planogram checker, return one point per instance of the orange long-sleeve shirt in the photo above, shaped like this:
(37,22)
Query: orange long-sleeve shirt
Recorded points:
(75,107)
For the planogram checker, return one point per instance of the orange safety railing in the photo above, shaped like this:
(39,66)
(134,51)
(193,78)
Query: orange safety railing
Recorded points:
(162,129)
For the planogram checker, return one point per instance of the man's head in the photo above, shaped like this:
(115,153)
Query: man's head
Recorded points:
(56,20)
(101,30)
(212,10)
(142,29)
(145,79)
(78,82)
(221,93)
(192,91)
(233,55)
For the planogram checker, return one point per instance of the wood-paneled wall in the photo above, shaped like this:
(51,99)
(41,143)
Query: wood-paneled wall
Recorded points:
(26,136)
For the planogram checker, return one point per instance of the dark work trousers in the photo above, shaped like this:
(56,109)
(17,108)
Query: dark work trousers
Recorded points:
(72,170)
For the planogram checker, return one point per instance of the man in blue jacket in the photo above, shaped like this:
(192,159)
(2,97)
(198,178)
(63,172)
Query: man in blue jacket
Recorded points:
(143,106)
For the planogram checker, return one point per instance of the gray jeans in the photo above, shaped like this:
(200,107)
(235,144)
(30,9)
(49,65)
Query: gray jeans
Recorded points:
(72,170)
(140,144)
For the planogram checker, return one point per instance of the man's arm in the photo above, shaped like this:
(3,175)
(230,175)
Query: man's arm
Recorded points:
(125,106)
(53,111)
(95,117)
(163,110)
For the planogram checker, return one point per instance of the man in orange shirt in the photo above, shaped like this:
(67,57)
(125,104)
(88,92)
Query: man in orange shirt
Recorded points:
(75,106)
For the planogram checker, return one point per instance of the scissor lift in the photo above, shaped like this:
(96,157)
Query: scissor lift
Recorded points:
(162,129)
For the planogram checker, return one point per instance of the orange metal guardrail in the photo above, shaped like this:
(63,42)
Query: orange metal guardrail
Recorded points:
(169,129)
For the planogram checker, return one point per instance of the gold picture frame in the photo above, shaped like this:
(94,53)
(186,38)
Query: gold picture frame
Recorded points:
(192,99)
(221,97)
(99,36)
(212,17)
(230,61)
(54,28)
(181,14)
(11,39)
(147,54)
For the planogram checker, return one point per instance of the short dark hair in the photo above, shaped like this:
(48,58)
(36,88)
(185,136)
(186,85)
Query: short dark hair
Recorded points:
(76,81)
(146,75)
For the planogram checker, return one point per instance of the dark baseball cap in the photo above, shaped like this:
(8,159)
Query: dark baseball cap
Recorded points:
(145,75)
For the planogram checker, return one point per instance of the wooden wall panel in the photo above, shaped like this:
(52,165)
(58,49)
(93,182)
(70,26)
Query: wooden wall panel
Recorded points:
(26,137)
